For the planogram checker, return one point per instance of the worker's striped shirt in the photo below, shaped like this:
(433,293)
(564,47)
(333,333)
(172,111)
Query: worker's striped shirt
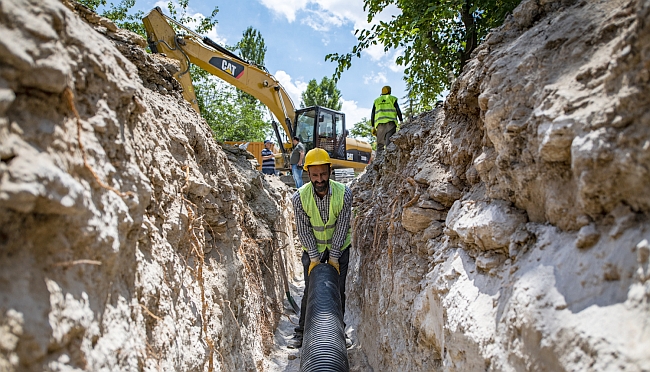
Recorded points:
(303,225)
(268,163)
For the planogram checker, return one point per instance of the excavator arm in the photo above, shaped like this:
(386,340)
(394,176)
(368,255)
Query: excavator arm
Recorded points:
(314,123)
(192,48)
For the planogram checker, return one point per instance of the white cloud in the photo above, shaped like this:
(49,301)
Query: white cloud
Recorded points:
(323,14)
(294,89)
(320,20)
(163,4)
(286,8)
(391,62)
(212,34)
(379,77)
(352,11)
(375,52)
(344,10)
(353,113)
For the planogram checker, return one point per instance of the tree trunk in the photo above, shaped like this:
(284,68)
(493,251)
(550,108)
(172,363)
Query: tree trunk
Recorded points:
(470,33)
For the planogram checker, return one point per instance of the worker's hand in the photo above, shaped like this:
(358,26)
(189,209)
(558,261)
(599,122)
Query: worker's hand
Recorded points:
(335,262)
(312,265)
(374,131)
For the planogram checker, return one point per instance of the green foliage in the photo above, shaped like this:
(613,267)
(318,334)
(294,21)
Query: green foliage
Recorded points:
(437,38)
(232,114)
(92,4)
(120,14)
(325,94)
(230,117)
(363,130)
(253,49)
(179,13)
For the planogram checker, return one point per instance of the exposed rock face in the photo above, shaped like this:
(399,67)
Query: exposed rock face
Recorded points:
(129,240)
(540,158)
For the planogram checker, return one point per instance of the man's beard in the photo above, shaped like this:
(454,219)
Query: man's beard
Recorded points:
(321,187)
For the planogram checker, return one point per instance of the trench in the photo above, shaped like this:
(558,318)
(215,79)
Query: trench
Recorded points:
(505,229)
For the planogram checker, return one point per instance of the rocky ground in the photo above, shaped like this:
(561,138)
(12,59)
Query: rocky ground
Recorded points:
(506,230)
(130,240)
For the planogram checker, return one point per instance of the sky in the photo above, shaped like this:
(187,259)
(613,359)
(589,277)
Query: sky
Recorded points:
(298,34)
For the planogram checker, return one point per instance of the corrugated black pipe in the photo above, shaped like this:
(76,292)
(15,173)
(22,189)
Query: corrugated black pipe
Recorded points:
(323,343)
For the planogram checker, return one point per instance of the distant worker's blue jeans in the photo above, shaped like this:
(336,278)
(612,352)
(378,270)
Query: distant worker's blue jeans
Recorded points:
(296,172)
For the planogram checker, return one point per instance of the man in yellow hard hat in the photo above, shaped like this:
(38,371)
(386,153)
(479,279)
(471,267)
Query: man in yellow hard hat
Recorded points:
(323,209)
(385,112)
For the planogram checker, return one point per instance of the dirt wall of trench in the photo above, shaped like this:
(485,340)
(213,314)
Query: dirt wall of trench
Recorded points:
(508,229)
(129,239)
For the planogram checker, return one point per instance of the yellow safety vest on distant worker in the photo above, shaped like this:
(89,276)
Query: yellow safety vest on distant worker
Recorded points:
(324,232)
(385,109)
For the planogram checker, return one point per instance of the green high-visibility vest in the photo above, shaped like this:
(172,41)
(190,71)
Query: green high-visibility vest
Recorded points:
(324,232)
(385,109)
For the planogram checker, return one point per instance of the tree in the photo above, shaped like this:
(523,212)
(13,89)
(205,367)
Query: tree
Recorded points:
(438,37)
(252,48)
(231,117)
(363,130)
(325,94)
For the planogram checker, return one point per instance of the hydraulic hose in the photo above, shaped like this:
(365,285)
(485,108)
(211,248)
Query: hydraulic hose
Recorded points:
(323,343)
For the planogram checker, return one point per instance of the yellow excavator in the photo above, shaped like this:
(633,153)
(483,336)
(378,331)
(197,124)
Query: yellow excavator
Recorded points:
(316,126)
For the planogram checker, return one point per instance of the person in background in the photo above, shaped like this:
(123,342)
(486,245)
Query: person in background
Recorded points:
(268,159)
(323,209)
(297,160)
(383,119)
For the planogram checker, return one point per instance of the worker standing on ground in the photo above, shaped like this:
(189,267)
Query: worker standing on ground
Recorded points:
(323,210)
(385,112)
(297,161)
(268,159)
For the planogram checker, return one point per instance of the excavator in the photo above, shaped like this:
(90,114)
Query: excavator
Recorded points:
(316,126)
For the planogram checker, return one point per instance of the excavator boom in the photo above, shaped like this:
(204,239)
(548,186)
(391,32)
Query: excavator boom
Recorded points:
(203,52)
(316,126)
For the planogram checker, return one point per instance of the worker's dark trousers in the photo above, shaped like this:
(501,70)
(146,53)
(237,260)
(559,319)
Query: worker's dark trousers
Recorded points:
(343,266)
(384,132)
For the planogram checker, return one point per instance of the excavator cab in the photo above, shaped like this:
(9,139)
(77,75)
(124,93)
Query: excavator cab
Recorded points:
(322,127)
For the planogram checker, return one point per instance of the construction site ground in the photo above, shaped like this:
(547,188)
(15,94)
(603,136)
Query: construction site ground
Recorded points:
(507,229)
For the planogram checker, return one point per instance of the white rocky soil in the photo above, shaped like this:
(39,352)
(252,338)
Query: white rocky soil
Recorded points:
(130,240)
(506,230)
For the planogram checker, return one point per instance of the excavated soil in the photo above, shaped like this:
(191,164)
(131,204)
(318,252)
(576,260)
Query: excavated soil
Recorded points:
(506,230)
(130,240)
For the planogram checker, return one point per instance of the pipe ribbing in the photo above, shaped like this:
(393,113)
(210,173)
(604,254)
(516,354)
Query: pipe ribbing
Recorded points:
(323,345)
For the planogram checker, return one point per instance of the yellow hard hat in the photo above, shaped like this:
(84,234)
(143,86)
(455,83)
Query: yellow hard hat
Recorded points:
(385,90)
(316,156)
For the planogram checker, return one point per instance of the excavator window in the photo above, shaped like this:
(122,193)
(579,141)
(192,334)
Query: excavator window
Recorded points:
(321,127)
(326,136)
(305,123)
(341,134)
